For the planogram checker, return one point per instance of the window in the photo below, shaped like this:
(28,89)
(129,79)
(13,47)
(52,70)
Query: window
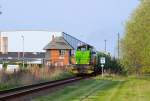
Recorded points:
(62,52)
(47,54)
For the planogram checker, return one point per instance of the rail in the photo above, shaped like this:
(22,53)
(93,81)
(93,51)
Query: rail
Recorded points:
(22,91)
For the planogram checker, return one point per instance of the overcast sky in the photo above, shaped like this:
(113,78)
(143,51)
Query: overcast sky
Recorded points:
(92,21)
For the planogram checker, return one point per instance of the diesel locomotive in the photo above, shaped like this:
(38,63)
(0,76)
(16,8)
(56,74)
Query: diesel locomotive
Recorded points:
(86,60)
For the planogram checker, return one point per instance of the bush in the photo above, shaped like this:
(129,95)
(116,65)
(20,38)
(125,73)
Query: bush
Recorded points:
(112,65)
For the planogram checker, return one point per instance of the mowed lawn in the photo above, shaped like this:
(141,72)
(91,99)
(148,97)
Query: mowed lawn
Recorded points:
(107,89)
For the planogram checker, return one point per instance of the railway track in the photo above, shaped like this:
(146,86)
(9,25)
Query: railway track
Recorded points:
(25,90)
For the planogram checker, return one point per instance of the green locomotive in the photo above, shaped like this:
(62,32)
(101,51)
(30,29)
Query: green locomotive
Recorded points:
(85,57)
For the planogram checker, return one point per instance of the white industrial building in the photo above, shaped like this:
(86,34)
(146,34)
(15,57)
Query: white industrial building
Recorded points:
(3,44)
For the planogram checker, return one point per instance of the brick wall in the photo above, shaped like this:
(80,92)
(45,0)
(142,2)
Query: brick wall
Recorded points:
(57,59)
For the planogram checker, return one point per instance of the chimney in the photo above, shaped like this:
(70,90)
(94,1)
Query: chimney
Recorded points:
(53,37)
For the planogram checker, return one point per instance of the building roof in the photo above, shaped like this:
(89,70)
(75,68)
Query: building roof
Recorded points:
(16,55)
(58,43)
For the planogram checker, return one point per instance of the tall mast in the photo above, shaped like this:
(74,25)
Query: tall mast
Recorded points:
(118,45)
(0,41)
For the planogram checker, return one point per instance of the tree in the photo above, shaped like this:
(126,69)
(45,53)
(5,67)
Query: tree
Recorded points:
(136,42)
(112,65)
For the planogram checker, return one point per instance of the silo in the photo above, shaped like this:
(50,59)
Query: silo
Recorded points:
(4,45)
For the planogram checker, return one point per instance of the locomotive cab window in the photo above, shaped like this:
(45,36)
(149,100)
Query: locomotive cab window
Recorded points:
(83,49)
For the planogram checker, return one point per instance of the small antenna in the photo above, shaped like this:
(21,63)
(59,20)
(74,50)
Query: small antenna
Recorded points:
(0,11)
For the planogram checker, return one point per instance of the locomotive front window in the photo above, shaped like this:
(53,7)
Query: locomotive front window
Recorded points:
(83,49)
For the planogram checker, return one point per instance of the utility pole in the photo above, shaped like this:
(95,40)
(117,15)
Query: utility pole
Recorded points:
(105,45)
(0,41)
(22,50)
(118,45)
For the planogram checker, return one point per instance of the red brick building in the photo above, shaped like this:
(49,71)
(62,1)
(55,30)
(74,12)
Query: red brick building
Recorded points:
(58,52)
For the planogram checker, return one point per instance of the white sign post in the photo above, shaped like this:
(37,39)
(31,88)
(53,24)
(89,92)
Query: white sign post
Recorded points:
(102,61)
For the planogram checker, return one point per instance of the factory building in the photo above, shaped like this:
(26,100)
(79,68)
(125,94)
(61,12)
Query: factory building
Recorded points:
(28,58)
(3,45)
(74,42)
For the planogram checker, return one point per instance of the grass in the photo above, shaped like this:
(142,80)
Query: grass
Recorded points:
(107,89)
(31,75)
